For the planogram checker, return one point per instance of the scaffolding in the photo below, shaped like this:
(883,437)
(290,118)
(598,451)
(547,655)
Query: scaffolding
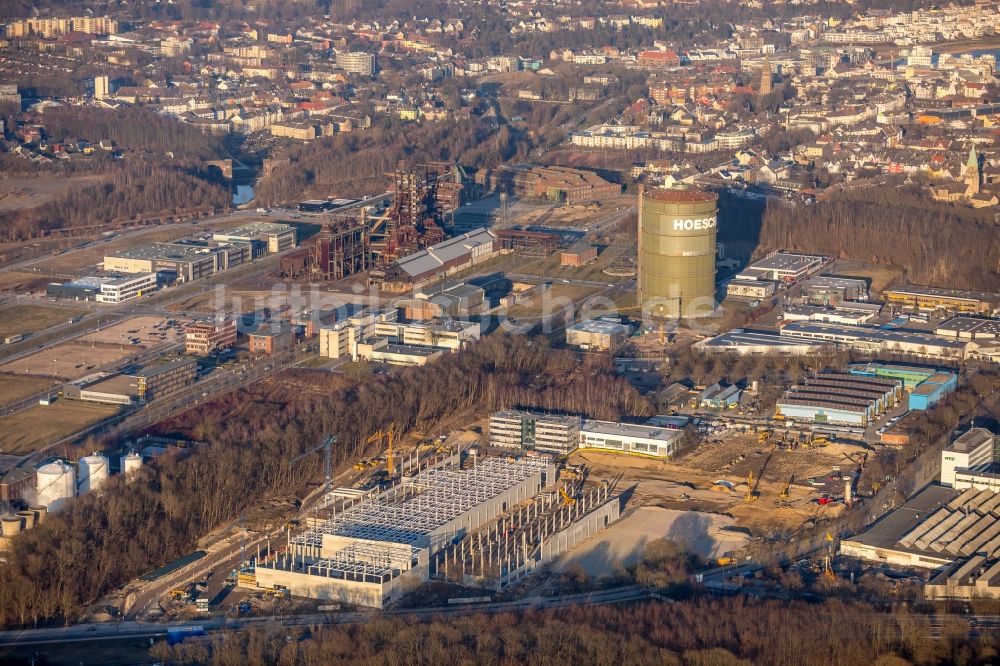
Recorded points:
(388,531)
(505,549)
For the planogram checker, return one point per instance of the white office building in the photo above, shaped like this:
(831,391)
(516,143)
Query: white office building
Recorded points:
(972,452)
(627,438)
(122,289)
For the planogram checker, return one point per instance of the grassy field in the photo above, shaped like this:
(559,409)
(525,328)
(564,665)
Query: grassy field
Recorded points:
(32,318)
(42,425)
(552,302)
(16,387)
(550,266)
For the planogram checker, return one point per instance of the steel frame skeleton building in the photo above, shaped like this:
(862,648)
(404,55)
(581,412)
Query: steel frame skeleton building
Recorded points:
(370,552)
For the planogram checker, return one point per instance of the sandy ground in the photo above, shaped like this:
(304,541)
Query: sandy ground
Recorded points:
(228,299)
(83,355)
(880,276)
(689,484)
(623,543)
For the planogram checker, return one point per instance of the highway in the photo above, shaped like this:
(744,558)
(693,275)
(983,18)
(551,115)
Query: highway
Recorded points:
(135,629)
(938,625)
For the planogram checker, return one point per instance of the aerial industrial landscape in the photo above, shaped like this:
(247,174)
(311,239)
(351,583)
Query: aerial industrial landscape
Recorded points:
(417,331)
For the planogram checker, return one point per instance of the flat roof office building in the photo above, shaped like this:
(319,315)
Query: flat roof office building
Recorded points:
(597,334)
(783,267)
(204,338)
(517,429)
(118,290)
(187,262)
(935,298)
(276,237)
(972,451)
(643,440)
(157,381)
(964,327)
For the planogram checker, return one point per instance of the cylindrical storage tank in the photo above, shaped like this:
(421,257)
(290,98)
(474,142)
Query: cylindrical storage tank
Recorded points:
(676,253)
(10,526)
(39,512)
(28,518)
(131,463)
(92,472)
(56,482)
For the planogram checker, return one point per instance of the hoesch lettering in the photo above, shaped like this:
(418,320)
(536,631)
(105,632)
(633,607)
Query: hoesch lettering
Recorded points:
(691,225)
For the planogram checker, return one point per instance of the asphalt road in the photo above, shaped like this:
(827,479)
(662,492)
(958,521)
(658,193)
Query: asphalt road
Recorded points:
(134,629)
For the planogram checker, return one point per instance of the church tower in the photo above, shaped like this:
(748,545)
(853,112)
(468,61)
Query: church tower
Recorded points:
(973,183)
(766,85)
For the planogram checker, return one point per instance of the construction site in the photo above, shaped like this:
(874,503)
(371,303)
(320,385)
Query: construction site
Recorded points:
(476,521)
(761,481)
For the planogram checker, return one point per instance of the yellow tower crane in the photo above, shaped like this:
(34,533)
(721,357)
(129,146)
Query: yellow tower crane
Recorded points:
(392,435)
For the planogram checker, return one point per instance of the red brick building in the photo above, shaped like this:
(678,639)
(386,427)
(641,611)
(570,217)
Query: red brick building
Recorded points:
(203,339)
(578,255)
(658,59)
(269,340)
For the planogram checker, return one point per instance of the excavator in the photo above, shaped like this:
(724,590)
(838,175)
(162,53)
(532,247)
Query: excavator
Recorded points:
(750,497)
(785,491)
(567,499)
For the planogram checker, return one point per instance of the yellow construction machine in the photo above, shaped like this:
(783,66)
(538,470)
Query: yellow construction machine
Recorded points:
(391,436)
(750,497)
(785,491)
(567,499)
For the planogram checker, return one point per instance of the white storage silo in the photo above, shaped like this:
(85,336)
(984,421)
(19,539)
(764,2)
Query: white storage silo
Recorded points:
(27,519)
(92,472)
(10,526)
(55,482)
(131,463)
